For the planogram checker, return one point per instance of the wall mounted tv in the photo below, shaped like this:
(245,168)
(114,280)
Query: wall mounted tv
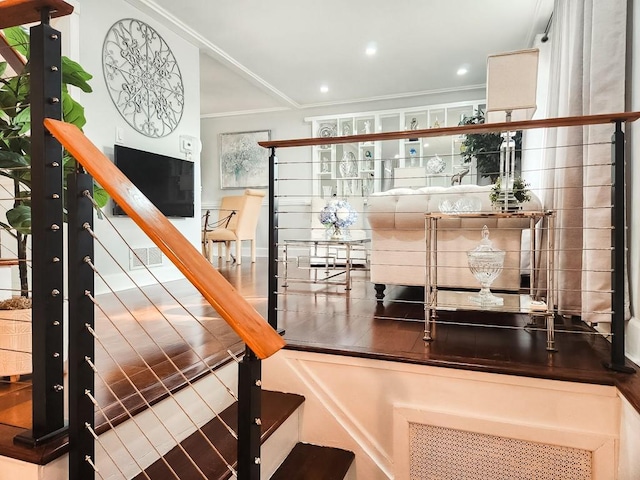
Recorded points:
(167,182)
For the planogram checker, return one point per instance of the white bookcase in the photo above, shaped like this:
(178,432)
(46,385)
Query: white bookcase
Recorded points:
(358,169)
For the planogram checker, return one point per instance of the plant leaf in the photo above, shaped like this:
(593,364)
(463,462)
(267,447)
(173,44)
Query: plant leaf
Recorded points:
(72,111)
(3,67)
(20,218)
(23,119)
(74,74)
(12,160)
(18,38)
(100,195)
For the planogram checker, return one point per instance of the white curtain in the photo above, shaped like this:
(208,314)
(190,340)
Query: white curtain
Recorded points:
(587,76)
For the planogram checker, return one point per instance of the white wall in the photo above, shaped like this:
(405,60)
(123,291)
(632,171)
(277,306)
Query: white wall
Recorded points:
(628,463)
(288,125)
(359,405)
(95,19)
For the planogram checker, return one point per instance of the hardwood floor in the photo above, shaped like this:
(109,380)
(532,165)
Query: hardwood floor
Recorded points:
(132,356)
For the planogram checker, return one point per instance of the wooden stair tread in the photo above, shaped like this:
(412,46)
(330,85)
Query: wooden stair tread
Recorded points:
(21,12)
(276,408)
(312,462)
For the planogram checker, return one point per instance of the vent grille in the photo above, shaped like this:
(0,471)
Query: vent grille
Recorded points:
(146,256)
(439,453)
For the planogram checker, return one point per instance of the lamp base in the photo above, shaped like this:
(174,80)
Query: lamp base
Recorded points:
(507,201)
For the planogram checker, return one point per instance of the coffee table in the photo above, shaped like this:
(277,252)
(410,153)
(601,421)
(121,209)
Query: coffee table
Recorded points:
(331,268)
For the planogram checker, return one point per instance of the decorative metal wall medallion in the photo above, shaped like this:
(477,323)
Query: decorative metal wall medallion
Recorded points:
(143,78)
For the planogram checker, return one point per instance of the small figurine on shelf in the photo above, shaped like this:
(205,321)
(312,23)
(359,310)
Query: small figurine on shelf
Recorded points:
(367,127)
(414,124)
(368,162)
(412,155)
(367,185)
(456,179)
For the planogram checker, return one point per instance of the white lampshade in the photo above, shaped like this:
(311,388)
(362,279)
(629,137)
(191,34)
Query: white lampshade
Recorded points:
(511,85)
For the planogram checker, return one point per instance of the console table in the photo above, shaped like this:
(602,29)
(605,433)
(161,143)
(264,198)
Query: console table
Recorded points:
(531,303)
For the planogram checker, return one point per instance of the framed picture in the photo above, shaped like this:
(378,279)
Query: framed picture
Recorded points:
(244,163)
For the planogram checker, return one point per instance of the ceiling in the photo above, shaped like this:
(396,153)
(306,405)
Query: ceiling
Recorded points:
(260,55)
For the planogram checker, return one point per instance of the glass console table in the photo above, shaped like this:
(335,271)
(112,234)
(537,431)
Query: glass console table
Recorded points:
(332,266)
(455,300)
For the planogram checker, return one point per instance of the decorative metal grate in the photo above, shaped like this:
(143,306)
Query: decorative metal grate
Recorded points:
(438,453)
(145,257)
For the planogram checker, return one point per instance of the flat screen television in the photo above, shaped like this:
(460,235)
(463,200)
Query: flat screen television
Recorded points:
(167,182)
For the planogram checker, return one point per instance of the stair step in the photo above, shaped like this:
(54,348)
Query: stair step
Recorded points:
(312,462)
(276,408)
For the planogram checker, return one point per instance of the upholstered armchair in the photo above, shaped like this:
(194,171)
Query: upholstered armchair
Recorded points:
(237,222)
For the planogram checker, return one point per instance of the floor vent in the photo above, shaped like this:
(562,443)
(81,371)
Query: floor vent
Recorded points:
(449,454)
(146,256)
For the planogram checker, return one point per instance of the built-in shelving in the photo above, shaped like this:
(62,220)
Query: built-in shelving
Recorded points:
(361,168)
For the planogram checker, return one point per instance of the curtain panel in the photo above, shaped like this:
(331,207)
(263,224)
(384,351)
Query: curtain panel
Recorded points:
(587,76)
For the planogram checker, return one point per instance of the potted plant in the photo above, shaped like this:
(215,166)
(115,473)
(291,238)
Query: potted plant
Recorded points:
(485,148)
(520,191)
(15,140)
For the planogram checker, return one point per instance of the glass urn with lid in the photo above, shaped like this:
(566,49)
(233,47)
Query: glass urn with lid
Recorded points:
(485,263)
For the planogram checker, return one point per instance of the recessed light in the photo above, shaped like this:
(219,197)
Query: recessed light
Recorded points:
(324,88)
(462,71)
(425,145)
(371,50)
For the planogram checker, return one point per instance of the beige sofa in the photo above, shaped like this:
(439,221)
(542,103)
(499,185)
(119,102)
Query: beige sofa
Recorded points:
(397,222)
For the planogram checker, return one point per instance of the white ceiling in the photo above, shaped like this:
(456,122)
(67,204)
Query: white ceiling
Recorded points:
(260,55)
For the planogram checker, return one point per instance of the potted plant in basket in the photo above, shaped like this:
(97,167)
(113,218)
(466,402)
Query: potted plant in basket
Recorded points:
(15,337)
(15,140)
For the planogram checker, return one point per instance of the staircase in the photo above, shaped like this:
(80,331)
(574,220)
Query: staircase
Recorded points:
(279,436)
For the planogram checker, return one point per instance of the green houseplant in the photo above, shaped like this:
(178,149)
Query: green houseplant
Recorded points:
(485,148)
(15,139)
(520,191)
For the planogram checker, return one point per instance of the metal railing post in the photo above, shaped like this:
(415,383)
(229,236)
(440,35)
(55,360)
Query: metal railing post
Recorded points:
(249,420)
(81,316)
(618,253)
(47,239)
(272,299)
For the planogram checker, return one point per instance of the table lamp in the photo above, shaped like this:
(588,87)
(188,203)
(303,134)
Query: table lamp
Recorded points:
(511,96)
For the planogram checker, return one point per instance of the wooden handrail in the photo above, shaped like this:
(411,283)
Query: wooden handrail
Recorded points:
(13,58)
(459,130)
(232,307)
(21,12)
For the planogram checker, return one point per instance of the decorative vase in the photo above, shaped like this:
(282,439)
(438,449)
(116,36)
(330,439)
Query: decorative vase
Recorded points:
(348,166)
(485,263)
(338,233)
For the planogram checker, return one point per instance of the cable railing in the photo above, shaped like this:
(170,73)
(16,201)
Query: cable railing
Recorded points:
(123,363)
(301,268)
(233,308)
(419,229)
